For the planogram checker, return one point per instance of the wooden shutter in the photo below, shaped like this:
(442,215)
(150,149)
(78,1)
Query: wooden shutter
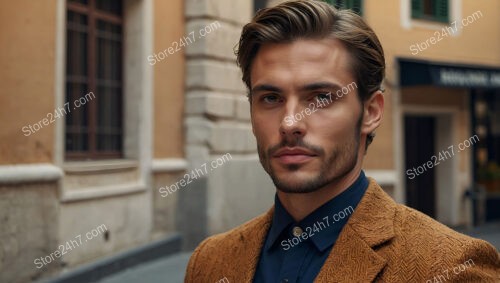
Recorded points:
(417,9)
(339,4)
(441,10)
(356,6)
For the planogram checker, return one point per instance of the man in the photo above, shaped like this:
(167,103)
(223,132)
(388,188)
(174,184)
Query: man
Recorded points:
(314,77)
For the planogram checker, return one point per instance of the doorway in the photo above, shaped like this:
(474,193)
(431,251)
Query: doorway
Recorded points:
(419,149)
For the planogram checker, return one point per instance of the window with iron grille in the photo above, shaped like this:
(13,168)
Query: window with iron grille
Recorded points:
(354,5)
(432,10)
(94,59)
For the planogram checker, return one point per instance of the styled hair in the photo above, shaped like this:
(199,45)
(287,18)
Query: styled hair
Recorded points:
(301,19)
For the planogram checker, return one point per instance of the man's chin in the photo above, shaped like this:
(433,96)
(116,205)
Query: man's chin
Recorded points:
(296,184)
(295,188)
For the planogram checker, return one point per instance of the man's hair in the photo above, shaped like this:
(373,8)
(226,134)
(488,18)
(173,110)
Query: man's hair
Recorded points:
(301,19)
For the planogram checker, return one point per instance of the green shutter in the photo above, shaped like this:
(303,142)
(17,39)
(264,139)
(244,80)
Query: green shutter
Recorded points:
(441,11)
(356,6)
(339,4)
(417,9)
(332,2)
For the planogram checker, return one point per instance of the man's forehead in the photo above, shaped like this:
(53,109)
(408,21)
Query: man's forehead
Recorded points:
(303,57)
(311,48)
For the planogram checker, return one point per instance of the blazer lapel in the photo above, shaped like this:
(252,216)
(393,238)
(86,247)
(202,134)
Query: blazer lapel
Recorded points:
(252,241)
(354,257)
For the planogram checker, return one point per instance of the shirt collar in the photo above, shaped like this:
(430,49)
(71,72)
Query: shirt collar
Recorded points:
(341,205)
(281,220)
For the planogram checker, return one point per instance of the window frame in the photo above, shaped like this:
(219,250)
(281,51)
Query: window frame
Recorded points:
(441,11)
(93,15)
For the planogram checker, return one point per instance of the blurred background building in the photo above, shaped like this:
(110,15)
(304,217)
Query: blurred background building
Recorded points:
(106,102)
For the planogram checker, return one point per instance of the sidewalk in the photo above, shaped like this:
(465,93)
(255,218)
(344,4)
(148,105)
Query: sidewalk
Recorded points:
(169,269)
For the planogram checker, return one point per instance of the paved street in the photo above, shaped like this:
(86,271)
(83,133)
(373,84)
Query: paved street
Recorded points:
(171,269)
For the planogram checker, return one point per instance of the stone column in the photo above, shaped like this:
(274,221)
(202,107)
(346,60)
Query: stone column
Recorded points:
(217,122)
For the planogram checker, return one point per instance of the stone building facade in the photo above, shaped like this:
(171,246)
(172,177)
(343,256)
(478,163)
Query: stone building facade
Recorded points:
(185,110)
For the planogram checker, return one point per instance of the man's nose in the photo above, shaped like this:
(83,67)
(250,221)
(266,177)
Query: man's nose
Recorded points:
(293,123)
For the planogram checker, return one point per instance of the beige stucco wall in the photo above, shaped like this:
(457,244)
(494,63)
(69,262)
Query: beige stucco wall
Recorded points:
(169,80)
(168,107)
(477,43)
(27,44)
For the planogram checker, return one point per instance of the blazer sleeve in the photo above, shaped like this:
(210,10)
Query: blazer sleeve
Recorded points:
(193,270)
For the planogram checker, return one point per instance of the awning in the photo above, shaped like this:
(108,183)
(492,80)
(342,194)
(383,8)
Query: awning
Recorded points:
(420,72)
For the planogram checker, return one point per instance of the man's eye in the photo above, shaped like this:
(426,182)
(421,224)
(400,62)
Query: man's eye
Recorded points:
(271,99)
(325,95)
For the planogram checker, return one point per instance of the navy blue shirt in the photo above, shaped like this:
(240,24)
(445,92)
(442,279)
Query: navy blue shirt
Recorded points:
(295,252)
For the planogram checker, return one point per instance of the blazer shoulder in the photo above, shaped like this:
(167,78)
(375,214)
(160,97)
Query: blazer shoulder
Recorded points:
(444,251)
(217,250)
(246,229)
(417,224)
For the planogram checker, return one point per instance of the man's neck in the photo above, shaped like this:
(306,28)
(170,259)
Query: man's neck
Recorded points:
(301,205)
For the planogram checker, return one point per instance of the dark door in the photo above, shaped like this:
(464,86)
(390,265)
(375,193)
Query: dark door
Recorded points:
(419,150)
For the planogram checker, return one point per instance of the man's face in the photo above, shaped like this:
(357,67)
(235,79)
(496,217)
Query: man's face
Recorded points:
(305,149)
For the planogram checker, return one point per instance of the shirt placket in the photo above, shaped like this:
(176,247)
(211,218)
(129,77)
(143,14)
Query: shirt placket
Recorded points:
(294,258)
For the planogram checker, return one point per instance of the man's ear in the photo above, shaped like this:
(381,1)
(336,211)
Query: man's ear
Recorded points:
(373,112)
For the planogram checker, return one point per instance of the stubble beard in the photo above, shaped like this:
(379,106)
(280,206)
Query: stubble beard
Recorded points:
(339,162)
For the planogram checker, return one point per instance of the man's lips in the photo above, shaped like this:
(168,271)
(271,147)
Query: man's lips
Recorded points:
(293,155)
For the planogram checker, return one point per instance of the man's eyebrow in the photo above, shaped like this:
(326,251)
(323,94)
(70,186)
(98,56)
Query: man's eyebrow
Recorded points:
(319,85)
(307,87)
(265,87)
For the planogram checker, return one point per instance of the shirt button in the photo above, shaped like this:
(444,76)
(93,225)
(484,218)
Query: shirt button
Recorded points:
(297,231)
(284,281)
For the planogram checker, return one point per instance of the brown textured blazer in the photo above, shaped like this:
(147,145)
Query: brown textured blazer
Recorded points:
(382,241)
